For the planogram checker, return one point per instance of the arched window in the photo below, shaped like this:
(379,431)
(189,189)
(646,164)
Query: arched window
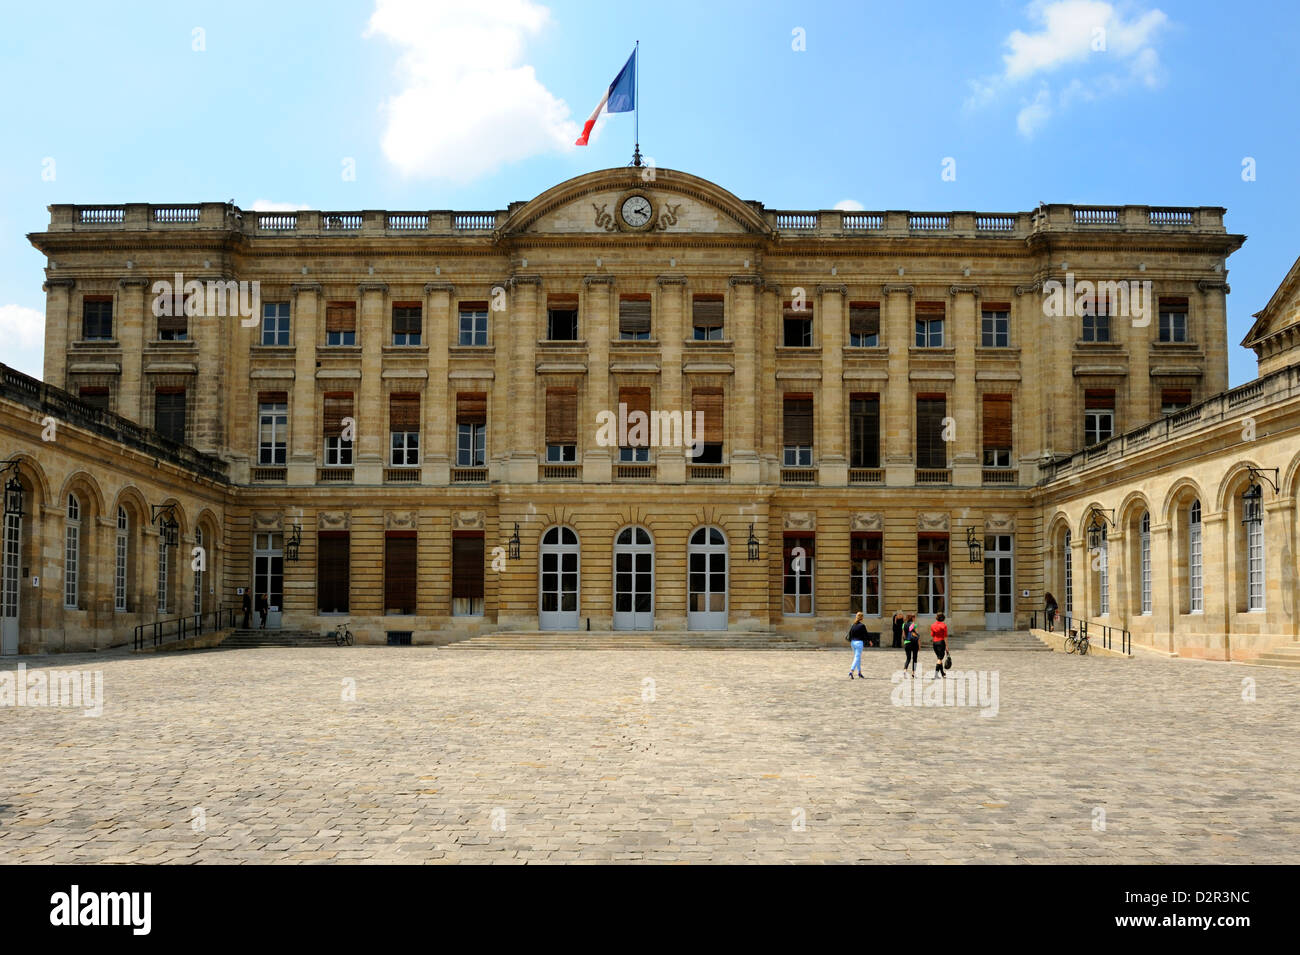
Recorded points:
(1255,561)
(1146,562)
(198,571)
(1195,581)
(71,552)
(1103,574)
(1067,560)
(120,560)
(164,553)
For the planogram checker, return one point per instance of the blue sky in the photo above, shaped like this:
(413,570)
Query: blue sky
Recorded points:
(473,105)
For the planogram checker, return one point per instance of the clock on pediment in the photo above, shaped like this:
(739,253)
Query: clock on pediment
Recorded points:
(636,211)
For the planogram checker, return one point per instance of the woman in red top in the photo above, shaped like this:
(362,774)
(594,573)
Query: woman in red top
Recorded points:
(939,634)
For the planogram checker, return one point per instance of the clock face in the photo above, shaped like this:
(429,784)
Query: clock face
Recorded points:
(636,211)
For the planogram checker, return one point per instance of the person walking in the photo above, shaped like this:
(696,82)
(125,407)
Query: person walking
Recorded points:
(857,638)
(263,608)
(911,643)
(248,610)
(898,622)
(939,637)
(1049,609)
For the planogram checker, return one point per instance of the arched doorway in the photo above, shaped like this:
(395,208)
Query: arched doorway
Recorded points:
(558,584)
(706,554)
(634,565)
(10,558)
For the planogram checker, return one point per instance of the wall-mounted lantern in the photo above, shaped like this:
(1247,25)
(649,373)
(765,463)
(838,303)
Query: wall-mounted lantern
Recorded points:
(752,544)
(514,544)
(164,515)
(13,490)
(1252,499)
(294,542)
(1097,526)
(974,546)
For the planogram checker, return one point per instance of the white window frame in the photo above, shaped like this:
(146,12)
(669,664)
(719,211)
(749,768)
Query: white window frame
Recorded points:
(1255,565)
(471,445)
(1195,564)
(1146,563)
(1093,426)
(72,553)
(478,328)
(1103,572)
(198,574)
(338,452)
(1069,575)
(798,576)
(995,325)
(404,449)
(275,324)
(275,417)
(164,559)
(121,556)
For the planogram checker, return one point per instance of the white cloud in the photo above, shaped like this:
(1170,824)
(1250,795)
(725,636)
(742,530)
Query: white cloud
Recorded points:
(267,205)
(1113,54)
(468,103)
(23,331)
(850,205)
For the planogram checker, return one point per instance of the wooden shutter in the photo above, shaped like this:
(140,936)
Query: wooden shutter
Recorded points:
(399,571)
(1176,304)
(1176,396)
(404,412)
(467,565)
(634,314)
(95,397)
(996,307)
(930,309)
(636,399)
(709,401)
(338,405)
(561,415)
(997,421)
(930,450)
(333,571)
(471,407)
(171,323)
(406,318)
(273,397)
(798,421)
(864,430)
(472,307)
(864,318)
(707,310)
(341,317)
(1097,399)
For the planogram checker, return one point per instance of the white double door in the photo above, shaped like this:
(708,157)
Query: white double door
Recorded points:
(634,575)
(10,554)
(558,587)
(706,594)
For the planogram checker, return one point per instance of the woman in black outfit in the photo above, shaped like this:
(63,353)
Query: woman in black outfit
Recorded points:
(898,630)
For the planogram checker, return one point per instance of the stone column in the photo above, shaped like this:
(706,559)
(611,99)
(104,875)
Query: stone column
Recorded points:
(1218,582)
(832,461)
(899,461)
(371,409)
(670,465)
(1280,566)
(743,409)
(1164,583)
(769,392)
(597,462)
(132,402)
(1137,332)
(437,396)
(59,330)
(964,326)
(525,320)
(305,421)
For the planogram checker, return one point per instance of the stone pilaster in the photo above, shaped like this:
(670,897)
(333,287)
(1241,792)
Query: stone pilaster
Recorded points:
(832,462)
(437,405)
(525,322)
(305,422)
(744,410)
(60,330)
(1212,327)
(670,465)
(964,326)
(371,406)
(1164,583)
(900,465)
(131,334)
(597,292)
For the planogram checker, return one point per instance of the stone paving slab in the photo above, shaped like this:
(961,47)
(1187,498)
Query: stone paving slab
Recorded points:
(660,756)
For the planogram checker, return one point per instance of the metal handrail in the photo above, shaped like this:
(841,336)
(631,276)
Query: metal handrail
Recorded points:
(191,625)
(1108,633)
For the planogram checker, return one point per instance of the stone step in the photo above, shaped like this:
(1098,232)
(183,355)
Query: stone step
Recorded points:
(248,639)
(632,640)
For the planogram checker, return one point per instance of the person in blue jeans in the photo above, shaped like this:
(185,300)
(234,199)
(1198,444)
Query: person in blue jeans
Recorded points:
(857,639)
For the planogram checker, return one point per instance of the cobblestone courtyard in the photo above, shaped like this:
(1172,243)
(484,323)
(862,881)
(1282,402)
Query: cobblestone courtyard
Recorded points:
(673,756)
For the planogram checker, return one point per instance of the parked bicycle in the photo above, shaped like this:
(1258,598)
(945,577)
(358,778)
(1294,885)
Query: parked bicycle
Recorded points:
(342,635)
(1076,642)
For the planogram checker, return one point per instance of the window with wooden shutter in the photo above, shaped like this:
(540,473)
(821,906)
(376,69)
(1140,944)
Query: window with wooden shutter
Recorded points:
(1174,400)
(634,316)
(471,407)
(341,323)
(929,324)
(797,430)
(708,401)
(473,323)
(864,430)
(403,412)
(169,413)
(97,318)
(408,323)
(333,571)
(931,450)
(338,405)
(1173,319)
(997,431)
(562,416)
(707,317)
(864,324)
(399,572)
(172,328)
(467,573)
(638,429)
(1098,415)
(1099,398)
(95,397)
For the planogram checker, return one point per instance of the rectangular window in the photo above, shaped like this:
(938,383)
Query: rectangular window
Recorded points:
(797,428)
(634,317)
(169,413)
(1255,565)
(866,556)
(1103,577)
(97,318)
(997,431)
(1146,563)
(799,552)
(164,558)
(707,317)
(408,323)
(341,323)
(864,324)
(123,542)
(708,402)
(1174,400)
(929,324)
(338,449)
(562,318)
(399,572)
(635,400)
(473,328)
(71,553)
(272,427)
(1173,319)
(797,329)
(333,571)
(173,328)
(995,325)
(471,429)
(1096,325)
(931,449)
(404,429)
(95,397)
(1195,581)
(864,430)
(467,574)
(931,575)
(275,323)
(561,425)
(1098,416)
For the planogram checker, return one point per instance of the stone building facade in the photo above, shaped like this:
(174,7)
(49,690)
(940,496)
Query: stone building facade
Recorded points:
(419,401)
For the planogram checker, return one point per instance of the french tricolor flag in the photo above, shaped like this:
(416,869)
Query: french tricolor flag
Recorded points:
(619,98)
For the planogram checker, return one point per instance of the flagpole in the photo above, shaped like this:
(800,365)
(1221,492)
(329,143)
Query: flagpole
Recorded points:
(636,103)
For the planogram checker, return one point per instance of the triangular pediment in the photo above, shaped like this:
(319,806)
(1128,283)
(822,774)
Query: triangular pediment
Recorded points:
(1281,312)
(632,201)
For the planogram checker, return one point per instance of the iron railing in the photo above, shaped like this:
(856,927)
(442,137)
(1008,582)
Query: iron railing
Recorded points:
(178,628)
(1109,635)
